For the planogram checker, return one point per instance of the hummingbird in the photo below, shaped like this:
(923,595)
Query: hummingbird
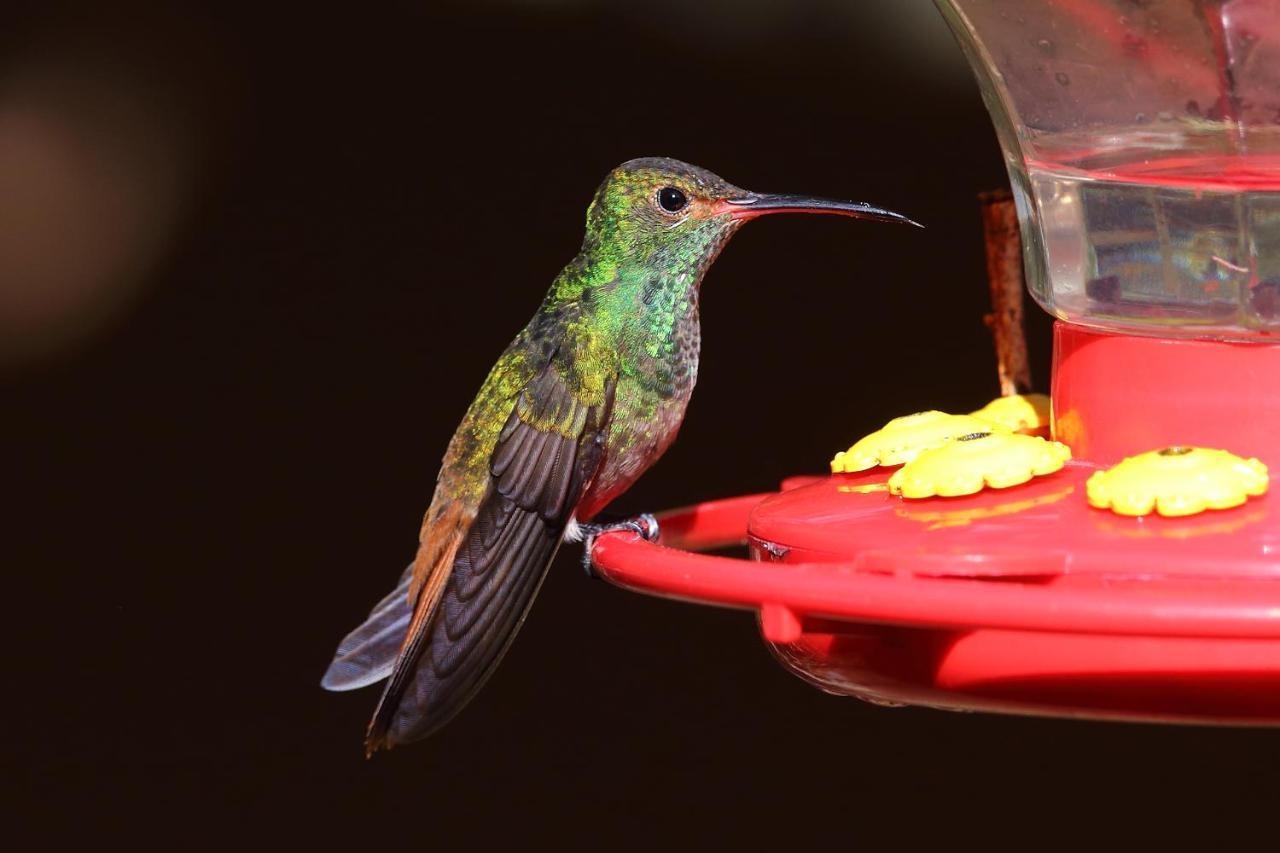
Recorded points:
(585,399)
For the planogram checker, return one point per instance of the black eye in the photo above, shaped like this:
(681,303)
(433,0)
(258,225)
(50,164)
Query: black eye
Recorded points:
(671,199)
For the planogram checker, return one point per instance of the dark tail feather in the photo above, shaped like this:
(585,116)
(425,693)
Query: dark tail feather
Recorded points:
(368,654)
(454,646)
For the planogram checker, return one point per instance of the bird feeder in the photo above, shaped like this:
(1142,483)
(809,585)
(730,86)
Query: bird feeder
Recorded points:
(1127,566)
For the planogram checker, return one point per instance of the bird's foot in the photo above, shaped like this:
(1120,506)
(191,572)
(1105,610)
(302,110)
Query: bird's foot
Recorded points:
(644,525)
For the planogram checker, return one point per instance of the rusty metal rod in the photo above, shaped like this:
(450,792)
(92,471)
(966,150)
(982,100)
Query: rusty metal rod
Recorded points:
(1004,275)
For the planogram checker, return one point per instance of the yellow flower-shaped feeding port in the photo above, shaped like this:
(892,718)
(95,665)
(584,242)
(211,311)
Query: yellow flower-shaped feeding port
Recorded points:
(1177,481)
(973,462)
(903,439)
(1017,412)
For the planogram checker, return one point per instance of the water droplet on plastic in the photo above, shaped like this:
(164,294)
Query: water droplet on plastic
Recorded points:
(1062,78)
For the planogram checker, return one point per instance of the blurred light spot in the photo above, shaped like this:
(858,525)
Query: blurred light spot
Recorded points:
(93,172)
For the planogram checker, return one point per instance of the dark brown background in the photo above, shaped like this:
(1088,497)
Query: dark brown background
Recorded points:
(216,467)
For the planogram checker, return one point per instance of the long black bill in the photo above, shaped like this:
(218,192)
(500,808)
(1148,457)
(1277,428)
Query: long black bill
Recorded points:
(760,204)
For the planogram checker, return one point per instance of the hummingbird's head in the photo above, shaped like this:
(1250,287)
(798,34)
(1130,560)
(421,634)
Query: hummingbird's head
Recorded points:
(661,213)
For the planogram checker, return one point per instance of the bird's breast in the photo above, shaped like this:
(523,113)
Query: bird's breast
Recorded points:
(649,406)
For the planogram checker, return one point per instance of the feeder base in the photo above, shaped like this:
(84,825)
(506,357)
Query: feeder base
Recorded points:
(915,618)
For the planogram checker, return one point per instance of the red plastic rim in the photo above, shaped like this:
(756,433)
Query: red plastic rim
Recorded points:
(788,594)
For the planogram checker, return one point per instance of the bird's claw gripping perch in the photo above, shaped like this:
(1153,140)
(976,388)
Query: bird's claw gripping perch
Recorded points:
(644,525)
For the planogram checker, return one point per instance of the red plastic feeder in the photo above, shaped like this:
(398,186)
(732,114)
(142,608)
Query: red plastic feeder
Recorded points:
(1153,232)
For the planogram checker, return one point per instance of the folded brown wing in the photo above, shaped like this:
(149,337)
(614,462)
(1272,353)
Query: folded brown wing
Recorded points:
(469,609)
